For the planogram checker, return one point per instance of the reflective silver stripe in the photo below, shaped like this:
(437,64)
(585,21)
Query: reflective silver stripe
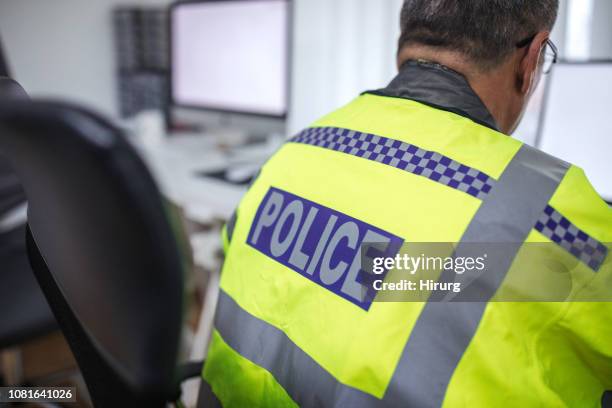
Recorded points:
(443,331)
(304,380)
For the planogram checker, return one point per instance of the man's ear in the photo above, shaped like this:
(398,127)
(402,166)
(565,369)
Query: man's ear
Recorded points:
(530,64)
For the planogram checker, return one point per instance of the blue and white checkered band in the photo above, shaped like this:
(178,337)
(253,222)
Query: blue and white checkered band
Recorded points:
(402,156)
(553,225)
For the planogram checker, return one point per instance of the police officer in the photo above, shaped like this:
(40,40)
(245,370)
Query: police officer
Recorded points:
(426,159)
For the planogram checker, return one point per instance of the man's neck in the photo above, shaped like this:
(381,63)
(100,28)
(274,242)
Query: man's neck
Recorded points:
(488,85)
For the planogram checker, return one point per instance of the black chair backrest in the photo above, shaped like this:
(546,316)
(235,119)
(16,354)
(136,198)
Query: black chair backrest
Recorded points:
(11,193)
(103,249)
(10,89)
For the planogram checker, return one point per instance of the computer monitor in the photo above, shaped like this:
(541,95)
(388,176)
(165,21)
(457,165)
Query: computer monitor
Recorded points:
(231,56)
(576,124)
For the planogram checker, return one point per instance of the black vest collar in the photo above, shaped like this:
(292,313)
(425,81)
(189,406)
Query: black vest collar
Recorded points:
(440,87)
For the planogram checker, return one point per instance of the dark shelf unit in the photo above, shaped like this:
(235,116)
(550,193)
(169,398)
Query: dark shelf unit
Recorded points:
(141,48)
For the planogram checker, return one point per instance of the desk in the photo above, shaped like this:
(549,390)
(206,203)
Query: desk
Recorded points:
(174,162)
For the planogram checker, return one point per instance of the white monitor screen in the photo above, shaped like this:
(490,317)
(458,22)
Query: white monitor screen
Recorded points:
(231,55)
(576,124)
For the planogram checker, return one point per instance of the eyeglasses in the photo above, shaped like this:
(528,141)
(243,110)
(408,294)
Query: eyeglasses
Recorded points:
(550,52)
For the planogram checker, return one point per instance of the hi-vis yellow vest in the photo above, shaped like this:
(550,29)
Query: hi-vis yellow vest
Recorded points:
(291,328)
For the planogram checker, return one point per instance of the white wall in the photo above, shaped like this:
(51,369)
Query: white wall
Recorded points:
(589,33)
(64,48)
(601,47)
(341,48)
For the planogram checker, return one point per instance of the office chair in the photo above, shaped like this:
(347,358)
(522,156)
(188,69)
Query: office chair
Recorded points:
(24,312)
(103,249)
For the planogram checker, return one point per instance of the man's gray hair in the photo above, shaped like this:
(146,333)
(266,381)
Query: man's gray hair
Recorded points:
(485,31)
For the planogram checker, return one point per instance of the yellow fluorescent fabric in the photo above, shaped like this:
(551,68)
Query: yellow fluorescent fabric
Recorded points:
(512,359)
(224,239)
(558,353)
(378,335)
(459,138)
(238,382)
